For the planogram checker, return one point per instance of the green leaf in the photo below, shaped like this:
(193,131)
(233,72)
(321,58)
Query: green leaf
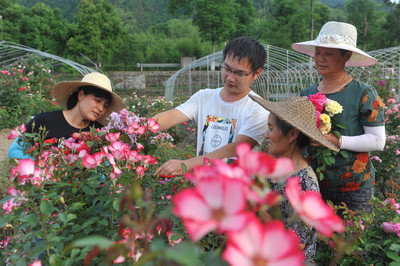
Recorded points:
(337,133)
(395,247)
(74,252)
(64,184)
(396,220)
(329,160)
(63,217)
(45,207)
(340,125)
(88,190)
(76,228)
(76,205)
(116,204)
(55,260)
(38,249)
(344,153)
(71,217)
(5,219)
(99,241)
(31,219)
(69,262)
(186,253)
(393,255)
(327,152)
(91,221)
(103,222)
(184,168)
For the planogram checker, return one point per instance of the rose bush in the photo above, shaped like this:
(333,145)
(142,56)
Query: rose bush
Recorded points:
(25,88)
(91,198)
(94,199)
(369,238)
(387,162)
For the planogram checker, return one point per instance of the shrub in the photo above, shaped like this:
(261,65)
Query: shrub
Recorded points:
(25,88)
(83,186)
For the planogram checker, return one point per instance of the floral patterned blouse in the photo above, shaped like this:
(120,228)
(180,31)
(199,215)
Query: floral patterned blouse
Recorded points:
(307,235)
(361,107)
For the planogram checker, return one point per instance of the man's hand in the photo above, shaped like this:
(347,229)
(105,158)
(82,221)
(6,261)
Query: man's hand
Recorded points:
(171,167)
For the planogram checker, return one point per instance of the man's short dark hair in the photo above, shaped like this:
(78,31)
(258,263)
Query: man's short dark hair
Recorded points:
(246,48)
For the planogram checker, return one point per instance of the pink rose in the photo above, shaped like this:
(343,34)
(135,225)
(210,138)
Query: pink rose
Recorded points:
(318,100)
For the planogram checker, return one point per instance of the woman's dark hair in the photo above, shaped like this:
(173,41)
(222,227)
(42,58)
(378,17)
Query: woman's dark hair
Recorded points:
(343,52)
(99,93)
(301,141)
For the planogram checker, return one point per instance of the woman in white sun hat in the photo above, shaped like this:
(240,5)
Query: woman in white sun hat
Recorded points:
(350,180)
(85,104)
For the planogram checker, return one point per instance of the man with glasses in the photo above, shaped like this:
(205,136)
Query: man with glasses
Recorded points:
(226,116)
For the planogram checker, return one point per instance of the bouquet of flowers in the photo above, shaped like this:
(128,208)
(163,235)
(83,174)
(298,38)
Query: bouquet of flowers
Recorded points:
(326,110)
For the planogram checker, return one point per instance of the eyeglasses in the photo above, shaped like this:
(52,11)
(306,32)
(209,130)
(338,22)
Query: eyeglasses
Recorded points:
(237,74)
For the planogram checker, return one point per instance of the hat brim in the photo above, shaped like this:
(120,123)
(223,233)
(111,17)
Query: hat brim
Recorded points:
(64,89)
(280,109)
(358,59)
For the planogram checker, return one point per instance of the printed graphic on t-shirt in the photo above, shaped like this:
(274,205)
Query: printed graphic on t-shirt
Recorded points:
(217,132)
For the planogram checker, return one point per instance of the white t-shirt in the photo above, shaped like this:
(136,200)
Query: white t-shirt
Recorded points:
(219,122)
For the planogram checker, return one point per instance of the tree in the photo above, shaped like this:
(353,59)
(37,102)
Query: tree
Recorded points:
(289,24)
(322,14)
(362,14)
(390,33)
(245,14)
(12,15)
(50,27)
(217,20)
(96,31)
(67,8)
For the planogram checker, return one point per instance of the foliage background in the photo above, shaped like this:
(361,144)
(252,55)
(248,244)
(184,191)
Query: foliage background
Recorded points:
(117,34)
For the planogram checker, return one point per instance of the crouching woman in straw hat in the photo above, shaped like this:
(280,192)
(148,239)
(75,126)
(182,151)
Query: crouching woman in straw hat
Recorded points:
(291,125)
(86,103)
(350,180)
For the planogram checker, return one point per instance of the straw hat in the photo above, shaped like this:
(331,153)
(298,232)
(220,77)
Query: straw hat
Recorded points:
(64,89)
(300,113)
(338,35)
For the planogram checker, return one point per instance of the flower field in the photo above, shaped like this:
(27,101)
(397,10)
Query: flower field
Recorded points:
(93,199)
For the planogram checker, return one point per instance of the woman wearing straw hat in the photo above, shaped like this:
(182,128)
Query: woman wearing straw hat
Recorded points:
(291,125)
(350,180)
(85,104)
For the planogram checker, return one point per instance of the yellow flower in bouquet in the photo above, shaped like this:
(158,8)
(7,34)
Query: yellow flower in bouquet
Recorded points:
(333,107)
(325,129)
(325,119)
(326,125)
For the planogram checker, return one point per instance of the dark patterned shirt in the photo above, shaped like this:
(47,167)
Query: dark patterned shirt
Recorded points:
(361,107)
(307,235)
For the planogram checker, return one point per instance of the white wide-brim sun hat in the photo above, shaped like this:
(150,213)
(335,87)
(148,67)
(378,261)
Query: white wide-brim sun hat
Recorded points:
(64,89)
(337,35)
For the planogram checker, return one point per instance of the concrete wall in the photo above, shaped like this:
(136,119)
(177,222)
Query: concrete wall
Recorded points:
(154,82)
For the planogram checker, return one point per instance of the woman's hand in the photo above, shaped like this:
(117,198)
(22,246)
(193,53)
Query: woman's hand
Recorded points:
(332,138)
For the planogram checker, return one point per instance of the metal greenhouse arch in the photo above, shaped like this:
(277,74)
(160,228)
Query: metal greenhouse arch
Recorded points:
(285,73)
(10,52)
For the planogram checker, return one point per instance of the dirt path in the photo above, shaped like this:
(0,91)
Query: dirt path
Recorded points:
(4,143)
